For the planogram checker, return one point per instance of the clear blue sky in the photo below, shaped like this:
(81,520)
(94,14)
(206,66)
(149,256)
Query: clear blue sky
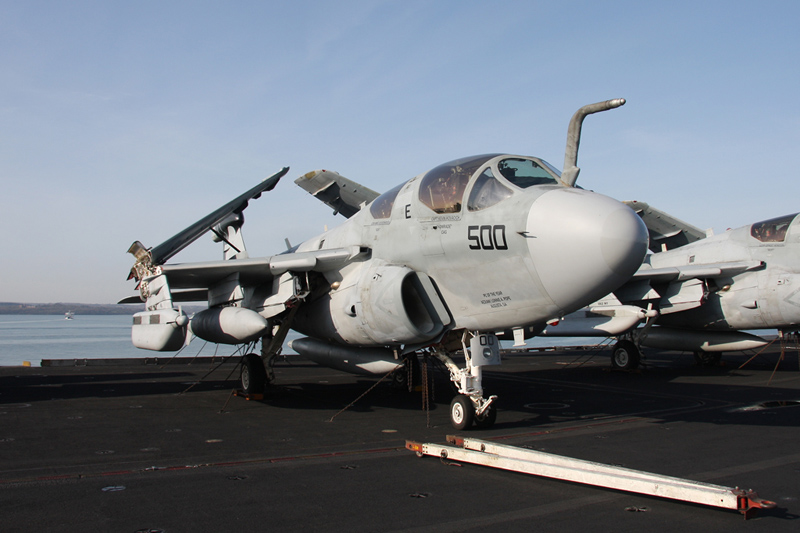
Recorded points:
(129,120)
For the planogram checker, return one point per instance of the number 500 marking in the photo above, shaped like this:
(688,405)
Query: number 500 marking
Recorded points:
(487,237)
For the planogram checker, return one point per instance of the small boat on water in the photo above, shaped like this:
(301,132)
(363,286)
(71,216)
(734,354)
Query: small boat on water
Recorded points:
(69,315)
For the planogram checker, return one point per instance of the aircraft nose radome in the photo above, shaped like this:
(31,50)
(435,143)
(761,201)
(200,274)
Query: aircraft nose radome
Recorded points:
(584,245)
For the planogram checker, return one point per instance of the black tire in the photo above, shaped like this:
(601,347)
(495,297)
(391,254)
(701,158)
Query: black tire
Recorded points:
(625,356)
(462,412)
(707,359)
(488,418)
(406,378)
(254,376)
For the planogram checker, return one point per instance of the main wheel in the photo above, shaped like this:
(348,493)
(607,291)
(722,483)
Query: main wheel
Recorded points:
(707,359)
(462,412)
(487,419)
(625,356)
(406,378)
(254,375)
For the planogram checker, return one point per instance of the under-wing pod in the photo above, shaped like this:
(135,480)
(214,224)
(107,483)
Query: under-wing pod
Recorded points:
(163,330)
(606,321)
(364,361)
(229,325)
(701,341)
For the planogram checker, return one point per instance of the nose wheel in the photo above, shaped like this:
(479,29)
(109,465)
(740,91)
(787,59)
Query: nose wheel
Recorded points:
(469,406)
(462,412)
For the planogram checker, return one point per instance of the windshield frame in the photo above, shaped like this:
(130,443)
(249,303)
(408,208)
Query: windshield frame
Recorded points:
(552,175)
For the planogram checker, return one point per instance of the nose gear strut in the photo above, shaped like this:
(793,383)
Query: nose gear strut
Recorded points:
(469,405)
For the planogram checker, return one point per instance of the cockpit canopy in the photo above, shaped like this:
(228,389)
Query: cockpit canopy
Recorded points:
(773,230)
(381,207)
(442,189)
(498,177)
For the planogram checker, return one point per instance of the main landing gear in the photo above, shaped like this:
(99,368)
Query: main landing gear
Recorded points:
(625,356)
(469,406)
(407,378)
(707,359)
(254,375)
(257,369)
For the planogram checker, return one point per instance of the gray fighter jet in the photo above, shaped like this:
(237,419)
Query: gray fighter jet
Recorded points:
(698,293)
(439,263)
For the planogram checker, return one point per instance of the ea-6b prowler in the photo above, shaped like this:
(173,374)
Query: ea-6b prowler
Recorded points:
(699,293)
(443,262)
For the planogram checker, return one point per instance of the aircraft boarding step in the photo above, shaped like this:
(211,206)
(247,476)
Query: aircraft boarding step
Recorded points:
(591,473)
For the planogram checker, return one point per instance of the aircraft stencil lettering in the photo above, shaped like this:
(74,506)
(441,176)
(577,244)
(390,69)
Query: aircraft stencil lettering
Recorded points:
(441,263)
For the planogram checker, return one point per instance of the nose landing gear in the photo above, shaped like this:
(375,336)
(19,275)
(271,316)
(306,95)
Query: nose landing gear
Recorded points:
(469,406)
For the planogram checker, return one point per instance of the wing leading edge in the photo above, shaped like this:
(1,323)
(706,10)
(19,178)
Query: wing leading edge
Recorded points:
(258,270)
(201,276)
(686,272)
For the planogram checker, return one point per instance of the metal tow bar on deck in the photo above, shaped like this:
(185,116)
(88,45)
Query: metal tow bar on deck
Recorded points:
(590,473)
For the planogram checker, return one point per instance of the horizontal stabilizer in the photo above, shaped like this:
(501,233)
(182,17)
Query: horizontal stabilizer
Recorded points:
(334,190)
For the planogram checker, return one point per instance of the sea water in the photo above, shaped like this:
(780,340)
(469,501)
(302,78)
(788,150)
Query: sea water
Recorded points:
(32,338)
(35,337)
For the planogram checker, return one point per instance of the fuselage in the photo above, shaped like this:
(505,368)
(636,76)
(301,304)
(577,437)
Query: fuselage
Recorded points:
(502,241)
(768,297)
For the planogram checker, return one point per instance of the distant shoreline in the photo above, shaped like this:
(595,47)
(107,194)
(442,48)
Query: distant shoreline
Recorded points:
(60,308)
(13,308)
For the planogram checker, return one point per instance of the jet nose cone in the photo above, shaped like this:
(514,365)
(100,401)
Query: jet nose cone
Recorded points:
(584,245)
